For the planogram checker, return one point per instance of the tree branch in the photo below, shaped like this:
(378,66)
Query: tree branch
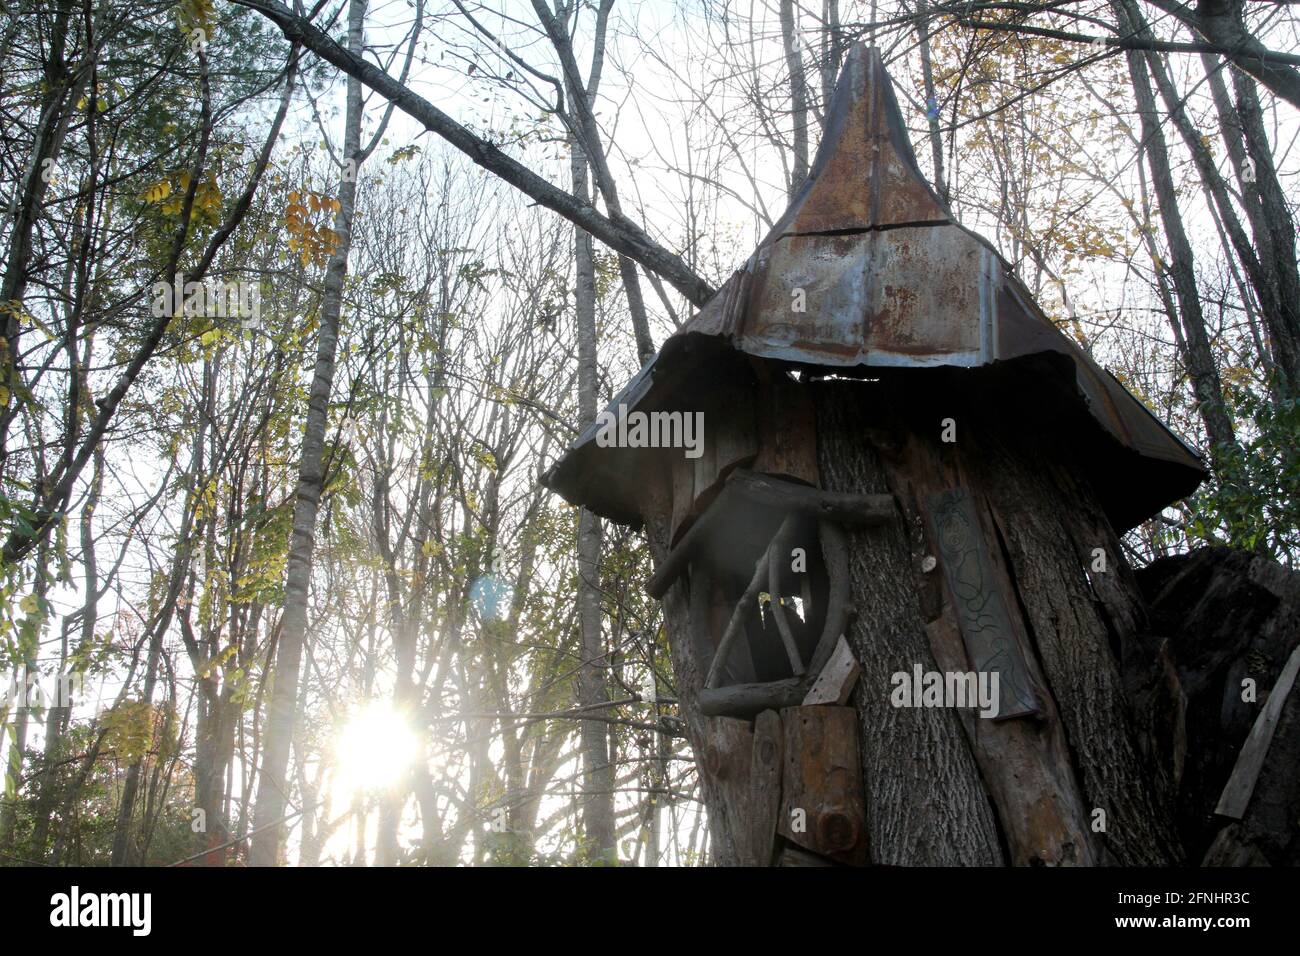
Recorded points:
(617,232)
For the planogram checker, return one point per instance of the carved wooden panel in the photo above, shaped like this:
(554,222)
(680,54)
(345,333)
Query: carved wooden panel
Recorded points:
(764,789)
(981,611)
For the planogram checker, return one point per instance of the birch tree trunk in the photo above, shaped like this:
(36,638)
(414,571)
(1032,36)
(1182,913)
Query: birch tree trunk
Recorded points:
(272,793)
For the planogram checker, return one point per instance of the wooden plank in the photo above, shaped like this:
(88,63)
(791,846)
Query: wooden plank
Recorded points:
(793,856)
(684,515)
(1025,764)
(1241,783)
(835,683)
(764,789)
(980,607)
(787,430)
(729,438)
(822,803)
(1026,769)
(726,760)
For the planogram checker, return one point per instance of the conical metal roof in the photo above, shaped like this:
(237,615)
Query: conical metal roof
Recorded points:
(887,280)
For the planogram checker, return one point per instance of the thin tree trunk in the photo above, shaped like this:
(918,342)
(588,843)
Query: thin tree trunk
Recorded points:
(1217,192)
(126,809)
(1271,222)
(58,721)
(798,97)
(272,793)
(1199,358)
(584,127)
(30,194)
(931,103)
(598,775)
(832,51)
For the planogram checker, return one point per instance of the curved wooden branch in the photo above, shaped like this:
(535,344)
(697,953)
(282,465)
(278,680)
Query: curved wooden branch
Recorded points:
(743,606)
(775,554)
(835,552)
(778,494)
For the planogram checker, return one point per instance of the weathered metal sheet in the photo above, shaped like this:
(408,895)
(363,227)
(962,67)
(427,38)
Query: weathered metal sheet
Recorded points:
(912,297)
(865,174)
(867,271)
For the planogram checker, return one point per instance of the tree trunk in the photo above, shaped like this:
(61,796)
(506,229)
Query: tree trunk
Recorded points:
(598,772)
(944,787)
(931,102)
(1272,225)
(1199,357)
(272,793)
(798,96)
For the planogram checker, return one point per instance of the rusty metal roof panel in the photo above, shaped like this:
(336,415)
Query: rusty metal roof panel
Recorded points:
(912,296)
(886,280)
(865,174)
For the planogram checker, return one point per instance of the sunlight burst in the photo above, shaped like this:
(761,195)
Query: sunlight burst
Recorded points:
(375,748)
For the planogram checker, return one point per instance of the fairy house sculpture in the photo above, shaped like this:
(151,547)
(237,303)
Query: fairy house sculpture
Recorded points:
(908,482)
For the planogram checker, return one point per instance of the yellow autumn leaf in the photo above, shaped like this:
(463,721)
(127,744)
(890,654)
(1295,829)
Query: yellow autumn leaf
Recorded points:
(157,192)
(29,604)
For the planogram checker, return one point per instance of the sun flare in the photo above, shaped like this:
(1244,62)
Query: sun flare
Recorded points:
(374,748)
